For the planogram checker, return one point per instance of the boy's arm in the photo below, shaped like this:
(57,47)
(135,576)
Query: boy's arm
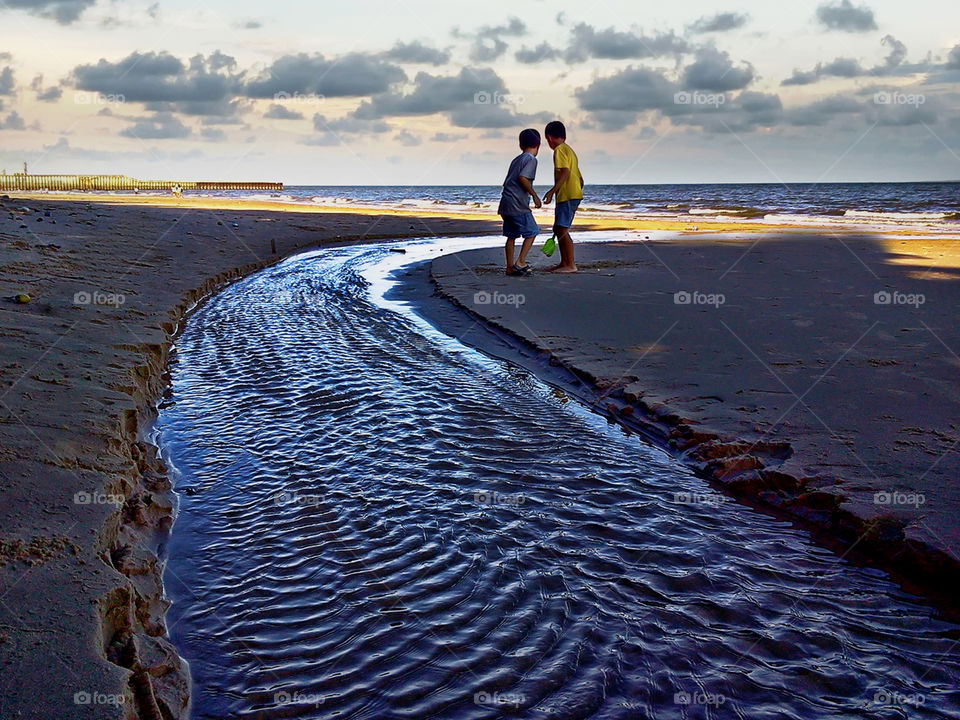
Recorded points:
(528,186)
(560,176)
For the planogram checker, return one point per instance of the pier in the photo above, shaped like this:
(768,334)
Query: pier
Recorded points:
(25,182)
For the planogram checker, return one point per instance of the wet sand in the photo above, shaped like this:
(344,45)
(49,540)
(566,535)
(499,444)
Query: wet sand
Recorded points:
(778,372)
(85,499)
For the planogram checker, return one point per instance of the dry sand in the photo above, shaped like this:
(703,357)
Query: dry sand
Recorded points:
(85,500)
(801,391)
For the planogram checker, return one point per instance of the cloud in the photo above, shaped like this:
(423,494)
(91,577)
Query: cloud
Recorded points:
(279,112)
(13,122)
(616,101)
(50,94)
(416,53)
(822,111)
(953,59)
(714,71)
(352,75)
(250,25)
(745,113)
(851,68)
(721,22)
(446,137)
(531,56)
(407,139)
(897,54)
(213,134)
(349,125)
(202,87)
(587,42)
(488,43)
(63,11)
(845,16)
(476,97)
(6,81)
(161,126)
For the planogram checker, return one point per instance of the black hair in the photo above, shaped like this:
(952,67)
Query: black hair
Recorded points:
(529,138)
(555,129)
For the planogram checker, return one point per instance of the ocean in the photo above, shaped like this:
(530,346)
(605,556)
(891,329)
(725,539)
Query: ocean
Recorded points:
(914,203)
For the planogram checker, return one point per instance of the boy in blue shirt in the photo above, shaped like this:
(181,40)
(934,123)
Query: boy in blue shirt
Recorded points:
(515,202)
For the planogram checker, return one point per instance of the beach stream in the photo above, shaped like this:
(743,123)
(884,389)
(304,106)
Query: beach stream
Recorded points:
(376,521)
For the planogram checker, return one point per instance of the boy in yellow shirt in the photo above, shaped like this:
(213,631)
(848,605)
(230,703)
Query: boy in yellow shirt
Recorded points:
(568,188)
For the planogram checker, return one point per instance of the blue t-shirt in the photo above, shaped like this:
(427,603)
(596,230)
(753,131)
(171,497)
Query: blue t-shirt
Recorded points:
(515,200)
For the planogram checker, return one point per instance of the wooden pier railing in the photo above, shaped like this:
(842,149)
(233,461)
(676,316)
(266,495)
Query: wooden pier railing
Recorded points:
(20,181)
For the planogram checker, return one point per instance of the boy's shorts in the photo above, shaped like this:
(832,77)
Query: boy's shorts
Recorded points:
(563,215)
(517,226)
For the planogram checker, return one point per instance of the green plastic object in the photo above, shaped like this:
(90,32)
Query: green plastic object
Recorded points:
(550,246)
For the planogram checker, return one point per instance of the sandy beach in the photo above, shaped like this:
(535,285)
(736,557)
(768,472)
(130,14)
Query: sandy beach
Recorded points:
(86,500)
(808,373)
(798,392)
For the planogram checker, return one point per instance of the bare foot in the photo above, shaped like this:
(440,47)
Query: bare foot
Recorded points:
(553,268)
(564,269)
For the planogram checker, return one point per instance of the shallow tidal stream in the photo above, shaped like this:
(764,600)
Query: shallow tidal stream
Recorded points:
(376,521)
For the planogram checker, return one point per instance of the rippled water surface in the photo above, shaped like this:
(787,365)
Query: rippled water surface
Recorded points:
(376,522)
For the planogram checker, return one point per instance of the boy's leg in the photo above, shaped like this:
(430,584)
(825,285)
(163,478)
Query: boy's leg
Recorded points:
(508,251)
(565,242)
(524,249)
(565,213)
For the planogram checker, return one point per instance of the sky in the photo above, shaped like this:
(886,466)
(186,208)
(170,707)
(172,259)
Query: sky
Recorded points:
(380,92)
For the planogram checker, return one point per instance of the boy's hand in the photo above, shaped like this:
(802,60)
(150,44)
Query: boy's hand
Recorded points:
(537,202)
(548,197)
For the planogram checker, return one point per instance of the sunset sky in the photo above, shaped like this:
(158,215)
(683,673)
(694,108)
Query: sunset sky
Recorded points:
(415,92)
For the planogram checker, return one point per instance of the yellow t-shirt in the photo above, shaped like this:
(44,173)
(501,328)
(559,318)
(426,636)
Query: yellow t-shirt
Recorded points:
(565,157)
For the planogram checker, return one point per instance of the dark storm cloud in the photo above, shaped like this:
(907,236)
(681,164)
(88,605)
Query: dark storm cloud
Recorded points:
(160,126)
(488,43)
(845,16)
(63,11)
(352,75)
(416,53)
(279,112)
(721,22)
(714,71)
(587,42)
